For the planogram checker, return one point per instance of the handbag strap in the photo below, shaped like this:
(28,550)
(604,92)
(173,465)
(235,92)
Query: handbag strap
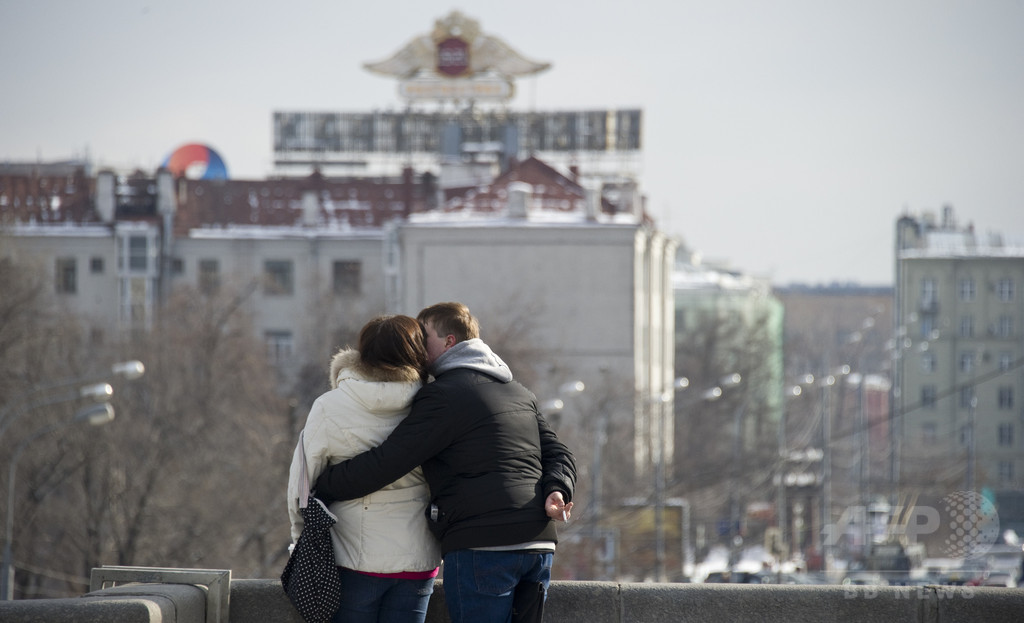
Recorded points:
(304,475)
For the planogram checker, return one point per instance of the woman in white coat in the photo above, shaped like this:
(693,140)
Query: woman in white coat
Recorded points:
(386,555)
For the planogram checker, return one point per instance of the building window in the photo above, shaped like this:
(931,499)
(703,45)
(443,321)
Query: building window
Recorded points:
(348,277)
(67,275)
(928,434)
(96,265)
(1005,361)
(927,363)
(138,254)
(1005,290)
(967,399)
(279,345)
(1006,397)
(927,326)
(967,326)
(1005,471)
(680,322)
(966,362)
(929,292)
(1005,326)
(209,276)
(177,266)
(278,278)
(928,396)
(1006,435)
(965,289)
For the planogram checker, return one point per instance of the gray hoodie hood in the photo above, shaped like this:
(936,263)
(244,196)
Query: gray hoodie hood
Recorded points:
(475,355)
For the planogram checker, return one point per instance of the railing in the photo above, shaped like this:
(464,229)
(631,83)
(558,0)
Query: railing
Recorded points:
(252,601)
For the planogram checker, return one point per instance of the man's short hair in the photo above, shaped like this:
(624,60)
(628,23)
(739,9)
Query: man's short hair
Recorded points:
(451,319)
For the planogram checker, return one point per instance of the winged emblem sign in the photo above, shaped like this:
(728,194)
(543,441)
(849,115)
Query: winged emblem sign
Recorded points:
(456,61)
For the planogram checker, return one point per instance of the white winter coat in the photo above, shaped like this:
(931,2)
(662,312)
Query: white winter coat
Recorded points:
(386,531)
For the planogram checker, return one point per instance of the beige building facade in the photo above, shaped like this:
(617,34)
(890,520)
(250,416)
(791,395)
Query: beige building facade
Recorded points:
(573,285)
(958,374)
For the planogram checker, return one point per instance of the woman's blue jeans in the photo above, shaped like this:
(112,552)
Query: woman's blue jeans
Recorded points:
(478,585)
(369,599)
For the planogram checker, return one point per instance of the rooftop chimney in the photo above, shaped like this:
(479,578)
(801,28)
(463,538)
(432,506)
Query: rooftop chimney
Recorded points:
(518,199)
(948,220)
(310,208)
(165,203)
(105,198)
(592,194)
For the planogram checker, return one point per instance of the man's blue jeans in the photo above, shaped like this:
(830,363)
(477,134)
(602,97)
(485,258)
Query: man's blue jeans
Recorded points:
(369,599)
(478,585)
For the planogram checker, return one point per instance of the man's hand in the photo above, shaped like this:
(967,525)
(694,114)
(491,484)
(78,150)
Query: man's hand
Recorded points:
(556,508)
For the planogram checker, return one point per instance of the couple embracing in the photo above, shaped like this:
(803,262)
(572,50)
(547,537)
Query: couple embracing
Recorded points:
(463,469)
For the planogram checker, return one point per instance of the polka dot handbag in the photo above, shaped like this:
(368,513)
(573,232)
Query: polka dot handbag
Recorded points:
(310,578)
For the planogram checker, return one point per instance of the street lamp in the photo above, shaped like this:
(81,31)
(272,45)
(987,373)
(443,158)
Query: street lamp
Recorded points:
(552,409)
(666,398)
(96,415)
(659,489)
(91,388)
(100,392)
(782,512)
(826,462)
(130,370)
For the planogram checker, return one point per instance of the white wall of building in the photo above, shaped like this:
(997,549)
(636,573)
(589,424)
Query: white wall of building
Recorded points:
(593,301)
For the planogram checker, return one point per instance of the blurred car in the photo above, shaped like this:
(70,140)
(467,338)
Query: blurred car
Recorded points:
(865,578)
(740,577)
(999,578)
(802,578)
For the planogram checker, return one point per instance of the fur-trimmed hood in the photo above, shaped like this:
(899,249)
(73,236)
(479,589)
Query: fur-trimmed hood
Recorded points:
(385,531)
(347,364)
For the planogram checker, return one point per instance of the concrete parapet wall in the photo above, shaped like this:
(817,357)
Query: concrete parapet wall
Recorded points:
(137,603)
(601,602)
(608,602)
(257,601)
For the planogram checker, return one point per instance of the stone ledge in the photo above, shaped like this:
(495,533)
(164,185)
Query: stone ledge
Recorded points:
(135,603)
(257,601)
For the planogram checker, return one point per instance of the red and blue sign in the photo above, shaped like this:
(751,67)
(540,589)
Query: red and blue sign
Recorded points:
(196,162)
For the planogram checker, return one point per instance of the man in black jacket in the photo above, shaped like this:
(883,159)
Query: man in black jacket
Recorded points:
(498,474)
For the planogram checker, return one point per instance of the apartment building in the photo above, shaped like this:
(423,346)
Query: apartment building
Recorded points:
(959,349)
(575,282)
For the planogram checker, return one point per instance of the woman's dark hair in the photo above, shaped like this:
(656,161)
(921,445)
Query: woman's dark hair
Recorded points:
(392,342)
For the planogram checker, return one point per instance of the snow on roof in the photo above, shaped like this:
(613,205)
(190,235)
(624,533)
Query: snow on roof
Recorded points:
(469,218)
(694,277)
(62,228)
(264,232)
(954,244)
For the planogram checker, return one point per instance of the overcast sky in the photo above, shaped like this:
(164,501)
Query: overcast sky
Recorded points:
(783,137)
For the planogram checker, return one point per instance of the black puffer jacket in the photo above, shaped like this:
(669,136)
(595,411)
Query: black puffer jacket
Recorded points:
(489,456)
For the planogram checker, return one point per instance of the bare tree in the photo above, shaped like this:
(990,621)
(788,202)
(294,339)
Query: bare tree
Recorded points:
(726,446)
(32,329)
(192,473)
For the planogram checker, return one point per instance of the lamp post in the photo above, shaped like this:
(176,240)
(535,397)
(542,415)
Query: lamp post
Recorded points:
(552,409)
(130,370)
(96,415)
(708,395)
(91,387)
(659,489)
(971,445)
(826,465)
(663,401)
(781,501)
(100,392)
